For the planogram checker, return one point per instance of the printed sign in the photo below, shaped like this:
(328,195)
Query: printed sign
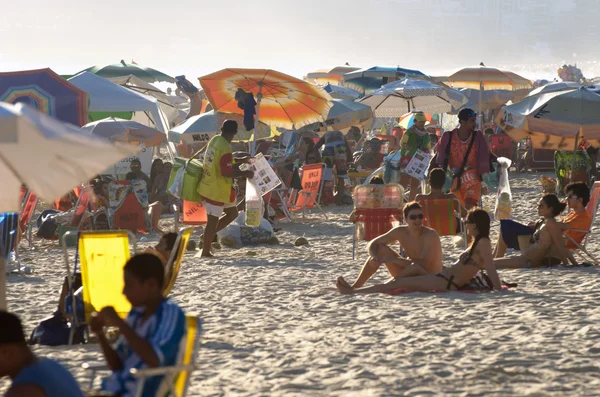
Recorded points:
(311,181)
(265,179)
(123,167)
(417,166)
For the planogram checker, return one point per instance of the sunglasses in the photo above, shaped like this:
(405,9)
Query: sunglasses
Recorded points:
(572,196)
(415,217)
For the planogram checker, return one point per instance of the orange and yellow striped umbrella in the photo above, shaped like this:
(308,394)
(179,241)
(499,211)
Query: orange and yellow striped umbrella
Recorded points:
(282,100)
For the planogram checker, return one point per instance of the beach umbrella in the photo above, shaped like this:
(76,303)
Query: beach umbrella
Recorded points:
(485,78)
(399,97)
(48,92)
(339,92)
(385,72)
(281,100)
(47,155)
(200,128)
(557,120)
(407,120)
(342,115)
(119,130)
(329,75)
(364,85)
(125,69)
(553,87)
(491,99)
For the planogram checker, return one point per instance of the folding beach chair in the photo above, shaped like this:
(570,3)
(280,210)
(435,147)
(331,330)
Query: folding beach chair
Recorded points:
(27,209)
(591,208)
(440,216)
(501,145)
(102,256)
(376,209)
(176,379)
(307,198)
(128,205)
(174,262)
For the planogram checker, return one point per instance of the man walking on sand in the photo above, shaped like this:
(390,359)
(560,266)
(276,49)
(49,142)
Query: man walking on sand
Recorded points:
(420,244)
(466,153)
(216,186)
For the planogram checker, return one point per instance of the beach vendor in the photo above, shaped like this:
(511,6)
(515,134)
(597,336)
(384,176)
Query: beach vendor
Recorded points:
(477,257)
(578,196)
(415,138)
(336,152)
(421,245)
(216,186)
(465,153)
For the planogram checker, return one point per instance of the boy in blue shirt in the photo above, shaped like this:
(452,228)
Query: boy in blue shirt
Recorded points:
(152,335)
(31,376)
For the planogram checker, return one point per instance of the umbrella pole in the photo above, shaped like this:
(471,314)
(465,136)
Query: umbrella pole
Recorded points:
(258,100)
(573,158)
(480,105)
(2,284)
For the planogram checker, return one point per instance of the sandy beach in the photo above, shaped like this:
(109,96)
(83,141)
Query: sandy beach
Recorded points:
(275,325)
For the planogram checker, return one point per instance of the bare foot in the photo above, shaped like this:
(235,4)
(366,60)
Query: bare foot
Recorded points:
(343,286)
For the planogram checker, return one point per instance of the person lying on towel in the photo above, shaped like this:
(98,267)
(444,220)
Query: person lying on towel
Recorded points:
(456,277)
(578,196)
(421,245)
(547,236)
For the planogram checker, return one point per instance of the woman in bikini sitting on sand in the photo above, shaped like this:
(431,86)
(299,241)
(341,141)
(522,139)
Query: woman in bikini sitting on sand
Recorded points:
(547,237)
(477,257)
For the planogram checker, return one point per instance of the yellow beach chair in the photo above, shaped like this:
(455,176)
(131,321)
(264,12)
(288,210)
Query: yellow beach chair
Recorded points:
(174,262)
(102,257)
(176,378)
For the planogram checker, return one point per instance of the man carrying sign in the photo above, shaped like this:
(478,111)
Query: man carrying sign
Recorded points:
(216,186)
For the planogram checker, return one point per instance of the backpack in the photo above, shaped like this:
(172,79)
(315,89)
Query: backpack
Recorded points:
(55,331)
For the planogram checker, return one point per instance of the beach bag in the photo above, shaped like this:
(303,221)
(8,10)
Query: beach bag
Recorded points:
(504,196)
(55,331)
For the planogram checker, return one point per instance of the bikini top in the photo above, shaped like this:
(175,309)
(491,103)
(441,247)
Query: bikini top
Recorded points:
(466,260)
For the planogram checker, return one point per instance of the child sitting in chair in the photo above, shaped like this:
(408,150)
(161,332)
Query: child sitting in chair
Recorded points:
(151,335)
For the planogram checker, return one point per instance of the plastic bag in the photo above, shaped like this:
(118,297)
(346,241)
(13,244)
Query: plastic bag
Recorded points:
(254,205)
(504,196)
(177,186)
(237,235)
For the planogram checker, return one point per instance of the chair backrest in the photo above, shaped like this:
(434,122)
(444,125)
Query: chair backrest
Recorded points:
(439,215)
(311,184)
(81,207)
(501,145)
(102,257)
(377,207)
(29,205)
(194,330)
(193,213)
(128,201)
(8,223)
(174,262)
(592,205)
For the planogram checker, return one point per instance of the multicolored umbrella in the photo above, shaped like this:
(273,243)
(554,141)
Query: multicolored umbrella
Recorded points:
(125,69)
(281,100)
(557,120)
(407,120)
(47,92)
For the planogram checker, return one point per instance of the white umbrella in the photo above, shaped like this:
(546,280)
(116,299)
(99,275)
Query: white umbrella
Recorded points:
(554,87)
(343,115)
(399,97)
(47,155)
(555,120)
(119,130)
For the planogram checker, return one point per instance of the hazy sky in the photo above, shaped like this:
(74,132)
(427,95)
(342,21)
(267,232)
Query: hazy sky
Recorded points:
(195,37)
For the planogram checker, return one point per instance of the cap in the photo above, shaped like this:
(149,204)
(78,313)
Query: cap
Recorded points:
(466,114)
(229,126)
(419,116)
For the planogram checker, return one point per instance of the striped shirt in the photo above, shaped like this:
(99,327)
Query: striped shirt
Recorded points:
(165,329)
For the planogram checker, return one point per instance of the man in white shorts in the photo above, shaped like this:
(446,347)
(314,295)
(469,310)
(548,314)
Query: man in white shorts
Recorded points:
(216,186)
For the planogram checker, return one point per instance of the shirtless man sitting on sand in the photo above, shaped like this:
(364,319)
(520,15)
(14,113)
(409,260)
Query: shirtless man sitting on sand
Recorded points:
(420,244)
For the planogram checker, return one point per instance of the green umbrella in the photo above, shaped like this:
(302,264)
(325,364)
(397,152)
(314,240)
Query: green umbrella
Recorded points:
(125,69)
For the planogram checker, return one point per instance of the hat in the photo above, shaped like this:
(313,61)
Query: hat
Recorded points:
(229,126)
(419,116)
(466,114)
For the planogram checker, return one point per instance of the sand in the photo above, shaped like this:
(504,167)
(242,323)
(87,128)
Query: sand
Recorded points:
(275,326)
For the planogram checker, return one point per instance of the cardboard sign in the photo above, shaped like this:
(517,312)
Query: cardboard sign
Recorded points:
(417,166)
(311,181)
